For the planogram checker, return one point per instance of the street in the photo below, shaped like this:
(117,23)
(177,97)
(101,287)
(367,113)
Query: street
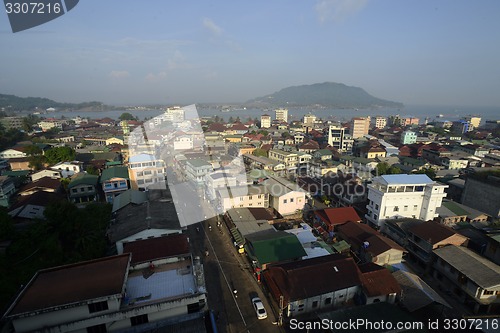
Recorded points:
(225,271)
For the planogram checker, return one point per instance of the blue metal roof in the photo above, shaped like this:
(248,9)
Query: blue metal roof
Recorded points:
(407,179)
(141,158)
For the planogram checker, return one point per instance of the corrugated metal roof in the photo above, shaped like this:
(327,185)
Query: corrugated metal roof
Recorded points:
(406,179)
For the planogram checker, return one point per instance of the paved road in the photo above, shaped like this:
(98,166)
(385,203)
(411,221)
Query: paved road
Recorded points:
(226,270)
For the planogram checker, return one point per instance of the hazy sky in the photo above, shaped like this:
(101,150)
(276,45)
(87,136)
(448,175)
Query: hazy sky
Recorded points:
(443,52)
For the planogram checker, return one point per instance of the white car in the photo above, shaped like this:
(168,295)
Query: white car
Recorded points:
(259,308)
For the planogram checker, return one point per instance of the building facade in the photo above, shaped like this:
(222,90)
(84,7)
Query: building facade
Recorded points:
(396,196)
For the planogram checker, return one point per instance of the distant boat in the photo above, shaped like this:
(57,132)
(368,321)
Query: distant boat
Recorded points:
(440,116)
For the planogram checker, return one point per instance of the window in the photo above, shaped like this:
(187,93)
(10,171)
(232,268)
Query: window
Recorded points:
(89,188)
(315,304)
(405,208)
(376,206)
(328,301)
(415,207)
(74,190)
(250,197)
(285,201)
(97,329)
(82,189)
(396,209)
(97,307)
(291,200)
(139,320)
(375,216)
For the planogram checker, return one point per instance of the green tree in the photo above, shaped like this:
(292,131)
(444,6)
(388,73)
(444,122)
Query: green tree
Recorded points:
(6,224)
(431,173)
(126,116)
(92,170)
(231,119)
(59,154)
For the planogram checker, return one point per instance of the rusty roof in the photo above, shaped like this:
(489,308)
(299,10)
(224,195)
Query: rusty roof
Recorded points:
(432,232)
(155,248)
(378,280)
(341,215)
(311,277)
(70,284)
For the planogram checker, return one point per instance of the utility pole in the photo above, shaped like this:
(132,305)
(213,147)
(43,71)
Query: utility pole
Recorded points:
(280,318)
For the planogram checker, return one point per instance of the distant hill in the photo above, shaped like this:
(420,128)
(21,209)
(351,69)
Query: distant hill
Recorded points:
(15,103)
(328,94)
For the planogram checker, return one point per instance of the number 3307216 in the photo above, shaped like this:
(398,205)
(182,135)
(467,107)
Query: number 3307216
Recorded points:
(32,8)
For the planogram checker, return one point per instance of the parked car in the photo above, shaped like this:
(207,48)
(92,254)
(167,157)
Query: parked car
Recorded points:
(259,308)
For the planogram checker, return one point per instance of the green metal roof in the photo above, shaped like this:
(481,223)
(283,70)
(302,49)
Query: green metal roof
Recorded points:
(114,172)
(84,179)
(455,208)
(198,162)
(274,246)
(341,246)
(17,173)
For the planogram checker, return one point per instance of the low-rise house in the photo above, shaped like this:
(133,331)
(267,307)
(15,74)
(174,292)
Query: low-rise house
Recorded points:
(272,246)
(330,218)
(109,295)
(68,169)
(15,152)
(369,245)
(428,236)
(31,207)
(56,174)
(315,284)
(284,196)
(452,213)
(323,154)
(136,218)
(114,181)
(473,279)
(83,188)
(378,285)
(45,184)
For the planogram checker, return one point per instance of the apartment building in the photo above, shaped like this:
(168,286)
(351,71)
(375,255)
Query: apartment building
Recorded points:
(254,196)
(339,139)
(289,159)
(408,137)
(281,115)
(197,169)
(396,196)
(145,170)
(265,121)
(360,127)
(380,122)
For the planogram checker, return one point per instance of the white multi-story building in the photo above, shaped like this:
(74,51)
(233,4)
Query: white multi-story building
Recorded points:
(396,196)
(197,169)
(183,142)
(282,115)
(265,121)
(339,139)
(380,122)
(242,196)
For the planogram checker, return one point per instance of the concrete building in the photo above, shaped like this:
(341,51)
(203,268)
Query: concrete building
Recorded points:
(145,170)
(83,188)
(286,197)
(472,278)
(110,295)
(289,159)
(309,120)
(281,115)
(115,181)
(12,122)
(483,195)
(474,121)
(265,121)
(380,122)
(360,127)
(408,137)
(396,196)
(339,139)
(197,169)
(408,121)
(68,169)
(254,196)
(16,152)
